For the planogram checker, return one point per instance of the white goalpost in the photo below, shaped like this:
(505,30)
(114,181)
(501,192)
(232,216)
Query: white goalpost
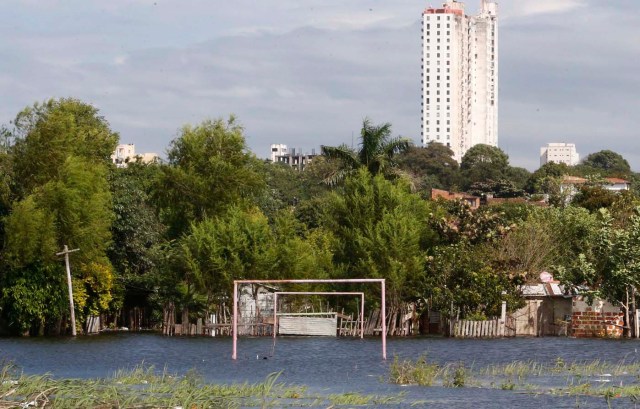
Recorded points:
(313,281)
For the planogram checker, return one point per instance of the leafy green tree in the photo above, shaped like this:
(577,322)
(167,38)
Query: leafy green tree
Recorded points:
(608,163)
(59,158)
(47,133)
(462,272)
(384,233)
(137,234)
(75,210)
(594,198)
(518,177)
(377,153)
(483,162)
(236,245)
(460,280)
(502,188)
(432,166)
(81,205)
(6,188)
(538,180)
(209,170)
(610,268)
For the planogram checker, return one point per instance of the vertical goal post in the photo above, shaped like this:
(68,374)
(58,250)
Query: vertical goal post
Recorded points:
(383,314)
(278,293)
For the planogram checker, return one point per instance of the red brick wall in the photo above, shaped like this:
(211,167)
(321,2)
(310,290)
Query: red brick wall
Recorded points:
(601,319)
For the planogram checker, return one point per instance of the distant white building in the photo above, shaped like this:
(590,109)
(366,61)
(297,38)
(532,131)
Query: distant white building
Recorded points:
(278,150)
(559,153)
(296,159)
(460,76)
(126,153)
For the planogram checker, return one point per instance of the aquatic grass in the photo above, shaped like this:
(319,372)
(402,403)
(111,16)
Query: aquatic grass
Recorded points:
(407,372)
(587,378)
(143,387)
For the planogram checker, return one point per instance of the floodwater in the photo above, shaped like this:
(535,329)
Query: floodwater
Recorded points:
(325,365)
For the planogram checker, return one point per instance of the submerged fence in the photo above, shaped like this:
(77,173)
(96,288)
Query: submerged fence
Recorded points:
(494,328)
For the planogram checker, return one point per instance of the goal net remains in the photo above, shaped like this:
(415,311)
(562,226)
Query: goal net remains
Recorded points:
(311,323)
(380,281)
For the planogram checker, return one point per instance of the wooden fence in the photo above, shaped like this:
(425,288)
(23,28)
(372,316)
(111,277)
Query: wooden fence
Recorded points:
(494,328)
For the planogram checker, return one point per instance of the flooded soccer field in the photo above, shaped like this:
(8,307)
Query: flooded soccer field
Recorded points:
(514,373)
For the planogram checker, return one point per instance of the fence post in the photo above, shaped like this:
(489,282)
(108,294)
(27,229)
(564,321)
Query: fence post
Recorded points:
(503,319)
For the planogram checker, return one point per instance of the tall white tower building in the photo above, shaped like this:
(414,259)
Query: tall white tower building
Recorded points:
(460,76)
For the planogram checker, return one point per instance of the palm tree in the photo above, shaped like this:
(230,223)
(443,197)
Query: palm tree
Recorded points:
(377,153)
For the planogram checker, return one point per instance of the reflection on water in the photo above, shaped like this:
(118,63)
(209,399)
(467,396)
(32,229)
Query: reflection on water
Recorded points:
(328,365)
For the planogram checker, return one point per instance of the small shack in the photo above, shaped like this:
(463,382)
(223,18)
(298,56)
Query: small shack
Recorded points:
(547,311)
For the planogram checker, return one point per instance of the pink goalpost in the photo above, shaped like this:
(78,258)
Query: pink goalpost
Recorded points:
(312,281)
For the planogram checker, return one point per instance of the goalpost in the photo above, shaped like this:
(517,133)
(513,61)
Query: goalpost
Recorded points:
(381,281)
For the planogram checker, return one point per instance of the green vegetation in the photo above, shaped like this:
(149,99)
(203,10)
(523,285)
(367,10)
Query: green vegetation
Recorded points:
(594,378)
(144,387)
(174,235)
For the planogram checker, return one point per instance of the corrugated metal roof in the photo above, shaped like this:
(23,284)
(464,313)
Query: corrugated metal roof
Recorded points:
(552,289)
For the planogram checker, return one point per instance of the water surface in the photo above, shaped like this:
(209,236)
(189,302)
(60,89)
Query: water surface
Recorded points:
(326,365)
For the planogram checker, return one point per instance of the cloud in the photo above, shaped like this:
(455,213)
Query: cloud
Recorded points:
(307,73)
(535,7)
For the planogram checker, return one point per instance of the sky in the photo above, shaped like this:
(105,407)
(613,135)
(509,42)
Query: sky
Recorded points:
(306,72)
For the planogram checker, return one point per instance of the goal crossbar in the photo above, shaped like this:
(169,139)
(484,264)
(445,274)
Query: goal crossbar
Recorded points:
(278,293)
(381,281)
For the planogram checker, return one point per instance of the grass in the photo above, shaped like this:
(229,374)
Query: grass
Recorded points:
(144,387)
(590,378)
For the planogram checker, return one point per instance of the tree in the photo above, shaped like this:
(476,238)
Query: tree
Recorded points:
(538,180)
(461,271)
(59,157)
(432,166)
(74,209)
(483,162)
(209,170)
(378,151)
(609,163)
(137,233)
(610,267)
(594,198)
(502,188)
(384,232)
(236,245)
(47,134)
(518,177)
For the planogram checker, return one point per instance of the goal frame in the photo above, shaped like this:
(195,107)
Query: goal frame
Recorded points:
(383,314)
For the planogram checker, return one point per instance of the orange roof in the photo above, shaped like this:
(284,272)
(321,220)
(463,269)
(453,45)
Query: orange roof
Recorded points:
(617,181)
(573,180)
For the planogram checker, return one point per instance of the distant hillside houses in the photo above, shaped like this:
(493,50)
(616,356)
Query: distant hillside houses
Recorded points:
(126,153)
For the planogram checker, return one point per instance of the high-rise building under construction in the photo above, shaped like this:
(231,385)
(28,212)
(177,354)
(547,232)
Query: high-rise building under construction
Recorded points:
(460,76)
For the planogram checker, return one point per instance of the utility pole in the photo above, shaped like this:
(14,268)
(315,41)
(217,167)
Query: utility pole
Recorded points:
(66,252)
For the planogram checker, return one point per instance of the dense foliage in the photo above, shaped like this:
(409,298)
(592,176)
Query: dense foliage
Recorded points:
(178,233)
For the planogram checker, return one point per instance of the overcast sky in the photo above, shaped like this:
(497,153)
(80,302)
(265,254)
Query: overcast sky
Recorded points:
(306,72)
